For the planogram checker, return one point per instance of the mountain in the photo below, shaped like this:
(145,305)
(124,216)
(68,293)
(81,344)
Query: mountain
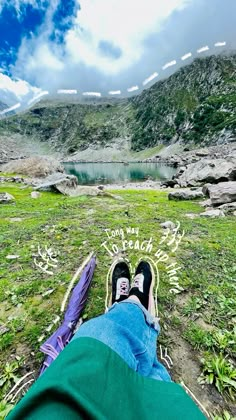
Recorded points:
(195,106)
(2,106)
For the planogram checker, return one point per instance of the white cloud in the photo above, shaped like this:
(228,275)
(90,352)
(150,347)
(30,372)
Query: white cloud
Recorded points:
(125,24)
(148,33)
(20,88)
(17,91)
(45,59)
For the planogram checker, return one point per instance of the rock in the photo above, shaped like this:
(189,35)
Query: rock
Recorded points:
(205,188)
(228,207)
(203,171)
(224,192)
(63,183)
(12,257)
(35,194)
(3,329)
(234,213)
(206,203)
(33,166)
(168,183)
(168,225)
(48,292)
(191,215)
(101,187)
(202,153)
(6,198)
(181,170)
(15,219)
(185,195)
(15,179)
(213,213)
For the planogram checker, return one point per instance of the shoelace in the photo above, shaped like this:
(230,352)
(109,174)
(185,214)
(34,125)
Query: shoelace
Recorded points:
(124,288)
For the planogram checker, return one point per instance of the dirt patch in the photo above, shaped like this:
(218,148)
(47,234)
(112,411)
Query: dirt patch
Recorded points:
(186,368)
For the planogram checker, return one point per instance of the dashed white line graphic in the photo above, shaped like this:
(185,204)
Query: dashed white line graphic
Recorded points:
(98,94)
(170,64)
(67,91)
(150,78)
(203,49)
(220,44)
(184,57)
(133,88)
(116,92)
(45,92)
(10,109)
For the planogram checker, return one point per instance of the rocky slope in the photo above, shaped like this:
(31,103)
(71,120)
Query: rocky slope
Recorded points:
(195,106)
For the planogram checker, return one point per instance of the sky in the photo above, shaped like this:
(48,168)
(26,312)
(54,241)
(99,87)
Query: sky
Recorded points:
(104,47)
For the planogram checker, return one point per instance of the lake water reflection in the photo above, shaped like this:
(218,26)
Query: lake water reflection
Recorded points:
(111,173)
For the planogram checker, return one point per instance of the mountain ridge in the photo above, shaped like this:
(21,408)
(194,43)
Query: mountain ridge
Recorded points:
(194,106)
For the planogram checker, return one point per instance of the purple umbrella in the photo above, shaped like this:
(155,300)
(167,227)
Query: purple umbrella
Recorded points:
(56,343)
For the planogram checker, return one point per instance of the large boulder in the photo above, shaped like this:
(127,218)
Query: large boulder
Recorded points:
(224,192)
(212,171)
(6,198)
(63,183)
(35,167)
(185,195)
(228,207)
(213,213)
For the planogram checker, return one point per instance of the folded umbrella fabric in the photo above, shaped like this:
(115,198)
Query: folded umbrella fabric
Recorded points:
(61,337)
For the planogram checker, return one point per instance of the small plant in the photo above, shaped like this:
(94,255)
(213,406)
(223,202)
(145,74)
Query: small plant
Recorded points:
(227,306)
(198,337)
(224,416)
(219,371)
(8,376)
(225,340)
(5,409)
(6,341)
(193,306)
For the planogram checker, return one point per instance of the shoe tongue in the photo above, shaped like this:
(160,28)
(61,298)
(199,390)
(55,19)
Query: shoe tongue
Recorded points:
(139,277)
(123,279)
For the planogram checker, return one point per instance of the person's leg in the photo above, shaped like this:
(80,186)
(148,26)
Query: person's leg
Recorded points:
(129,330)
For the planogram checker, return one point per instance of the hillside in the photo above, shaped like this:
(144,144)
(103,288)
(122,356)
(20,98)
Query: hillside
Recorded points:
(196,106)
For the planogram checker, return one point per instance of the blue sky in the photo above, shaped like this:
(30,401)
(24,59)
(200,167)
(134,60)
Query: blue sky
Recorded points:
(103,45)
(22,22)
(14,28)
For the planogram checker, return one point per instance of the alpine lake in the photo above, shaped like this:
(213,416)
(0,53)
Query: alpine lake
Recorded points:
(115,172)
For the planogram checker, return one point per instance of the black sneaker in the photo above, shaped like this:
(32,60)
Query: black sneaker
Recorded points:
(142,286)
(120,278)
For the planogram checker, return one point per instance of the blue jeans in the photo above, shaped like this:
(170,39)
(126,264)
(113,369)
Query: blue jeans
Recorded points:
(129,330)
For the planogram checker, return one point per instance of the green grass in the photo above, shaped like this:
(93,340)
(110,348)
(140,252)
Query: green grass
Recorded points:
(75,226)
(147,153)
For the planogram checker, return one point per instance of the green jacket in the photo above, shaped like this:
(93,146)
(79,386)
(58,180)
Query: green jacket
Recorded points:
(88,380)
